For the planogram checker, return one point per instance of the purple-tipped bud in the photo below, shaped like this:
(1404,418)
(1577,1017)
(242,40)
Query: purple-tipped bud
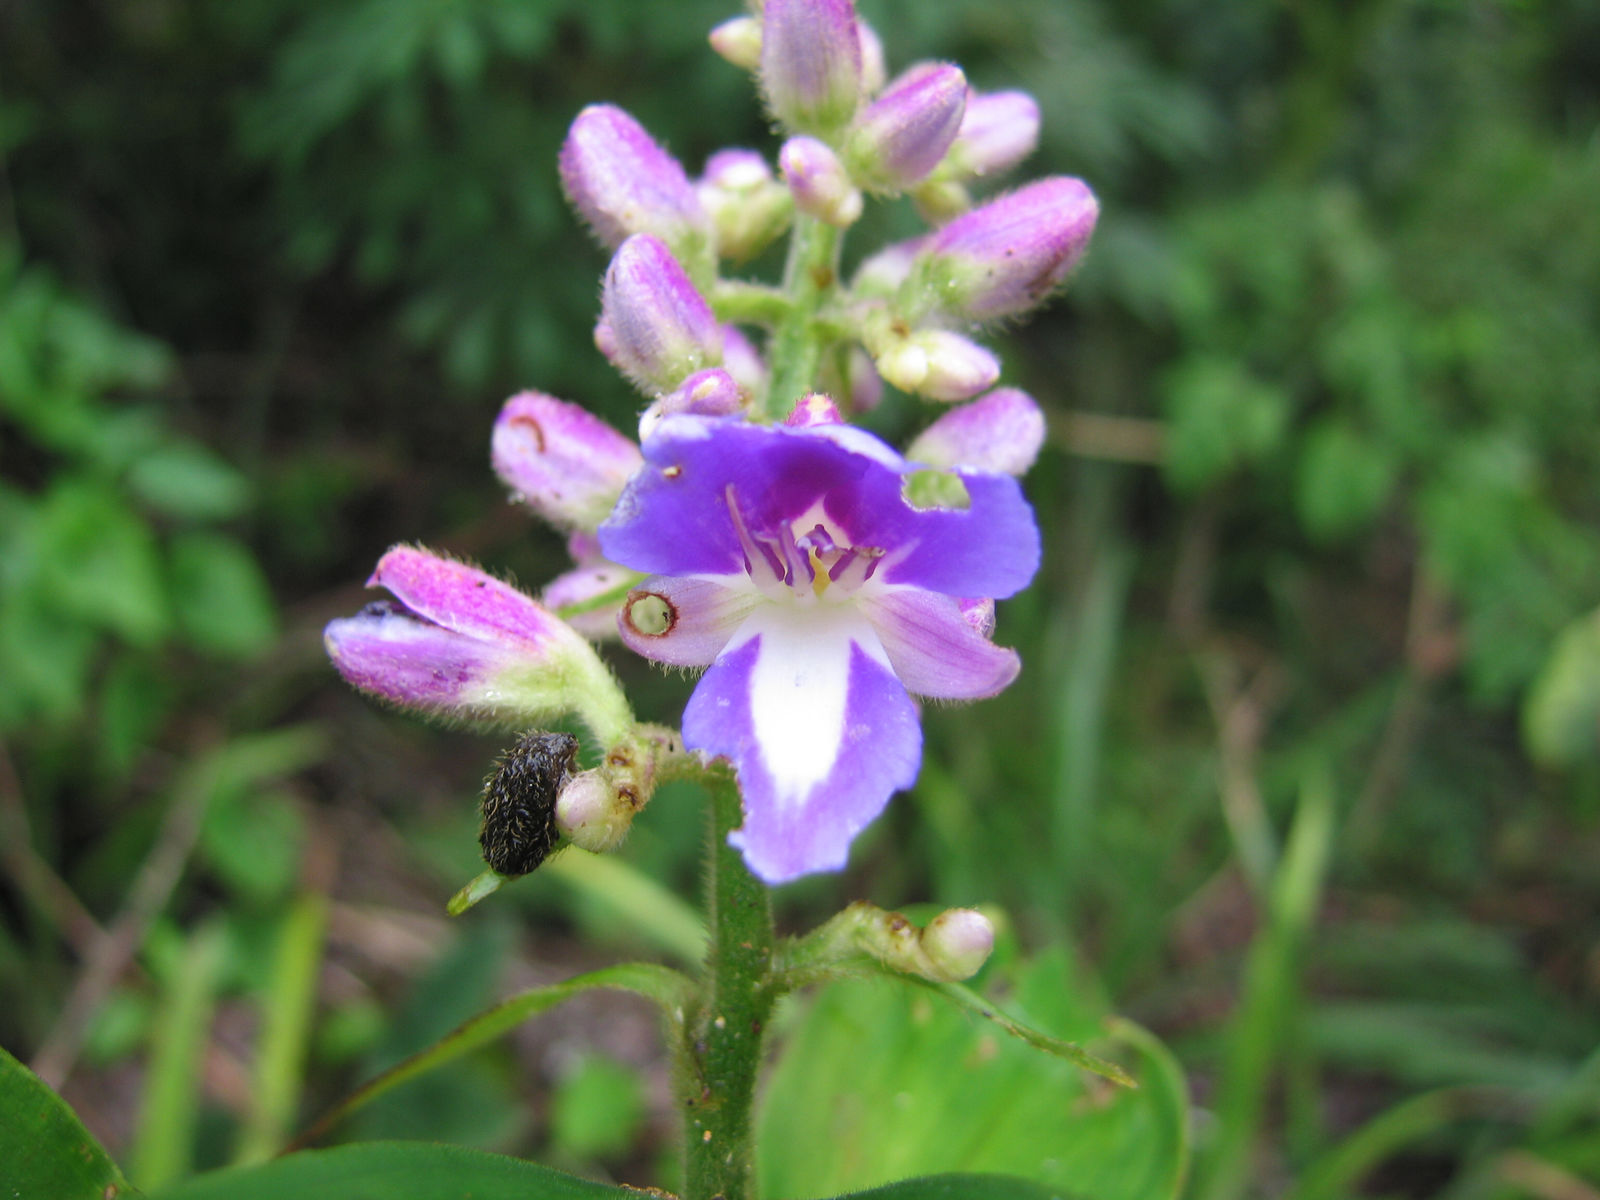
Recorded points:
(582,592)
(882,274)
(709,393)
(1008,255)
(811,64)
(455,640)
(863,384)
(658,328)
(621,183)
(813,409)
(938,364)
(904,133)
(873,69)
(958,942)
(819,182)
(563,462)
(998,130)
(1002,431)
(739,41)
(747,206)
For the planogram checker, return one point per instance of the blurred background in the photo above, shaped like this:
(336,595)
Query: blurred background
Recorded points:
(1303,771)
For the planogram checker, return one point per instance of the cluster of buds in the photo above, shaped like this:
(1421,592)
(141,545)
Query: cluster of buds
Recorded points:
(749,529)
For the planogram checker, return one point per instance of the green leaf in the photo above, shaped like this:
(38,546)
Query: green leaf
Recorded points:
(877,1082)
(1344,480)
(392,1171)
(1220,417)
(185,479)
(1561,719)
(222,599)
(966,1187)
(45,1149)
(596,1109)
(668,988)
(100,563)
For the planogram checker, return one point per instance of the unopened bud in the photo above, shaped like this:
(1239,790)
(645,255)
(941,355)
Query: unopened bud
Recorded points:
(622,183)
(562,461)
(1002,431)
(998,130)
(1006,256)
(883,273)
(739,41)
(904,133)
(938,364)
(820,184)
(589,596)
(957,943)
(743,361)
(748,207)
(589,813)
(873,70)
(709,393)
(813,409)
(658,329)
(940,201)
(811,64)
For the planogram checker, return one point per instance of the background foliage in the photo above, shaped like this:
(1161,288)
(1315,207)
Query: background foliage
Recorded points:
(1304,762)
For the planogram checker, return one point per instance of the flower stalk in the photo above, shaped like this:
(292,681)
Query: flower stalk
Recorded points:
(722,1042)
(811,277)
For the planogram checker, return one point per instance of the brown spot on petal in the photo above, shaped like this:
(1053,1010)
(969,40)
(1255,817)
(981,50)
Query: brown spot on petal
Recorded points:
(524,422)
(671,472)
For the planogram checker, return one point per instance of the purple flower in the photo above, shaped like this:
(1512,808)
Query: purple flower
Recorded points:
(819,182)
(998,130)
(1002,431)
(791,563)
(655,326)
(562,461)
(811,67)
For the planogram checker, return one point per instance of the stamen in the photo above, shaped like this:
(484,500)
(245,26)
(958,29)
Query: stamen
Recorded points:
(771,576)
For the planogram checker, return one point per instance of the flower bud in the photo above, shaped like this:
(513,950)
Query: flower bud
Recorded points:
(658,329)
(820,184)
(1005,256)
(873,70)
(580,595)
(590,814)
(882,274)
(622,183)
(457,641)
(811,70)
(998,130)
(957,943)
(940,201)
(739,41)
(560,460)
(747,206)
(904,133)
(938,364)
(743,361)
(1002,432)
(813,409)
(708,393)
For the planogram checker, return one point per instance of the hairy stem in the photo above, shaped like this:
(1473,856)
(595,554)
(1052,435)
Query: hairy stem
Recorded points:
(810,278)
(723,1040)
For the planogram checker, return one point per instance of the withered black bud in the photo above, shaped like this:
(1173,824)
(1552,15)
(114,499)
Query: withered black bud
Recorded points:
(519,801)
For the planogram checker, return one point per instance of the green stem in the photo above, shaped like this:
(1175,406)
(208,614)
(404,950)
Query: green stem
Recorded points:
(723,1041)
(810,279)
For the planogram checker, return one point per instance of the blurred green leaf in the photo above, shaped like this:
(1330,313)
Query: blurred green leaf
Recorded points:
(1220,417)
(392,1171)
(596,1109)
(1344,480)
(223,603)
(1561,716)
(100,563)
(45,1149)
(186,480)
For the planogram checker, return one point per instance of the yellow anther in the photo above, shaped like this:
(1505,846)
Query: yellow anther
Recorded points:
(819,572)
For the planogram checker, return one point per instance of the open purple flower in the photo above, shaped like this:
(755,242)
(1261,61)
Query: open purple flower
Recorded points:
(806,569)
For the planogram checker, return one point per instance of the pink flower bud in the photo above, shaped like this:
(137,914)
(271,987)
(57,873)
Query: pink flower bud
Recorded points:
(709,393)
(811,63)
(1008,255)
(873,70)
(743,361)
(455,640)
(739,41)
(813,409)
(621,183)
(1002,432)
(580,594)
(658,329)
(958,942)
(747,206)
(883,273)
(998,130)
(938,364)
(819,182)
(563,462)
(903,134)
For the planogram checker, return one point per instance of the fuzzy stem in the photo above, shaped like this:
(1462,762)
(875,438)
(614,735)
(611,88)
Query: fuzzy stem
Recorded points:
(810,278)
(723,1041)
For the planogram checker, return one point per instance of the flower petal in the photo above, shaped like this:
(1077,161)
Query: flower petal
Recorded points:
(685,620)
(820,730)
(466,600)
(933,647)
